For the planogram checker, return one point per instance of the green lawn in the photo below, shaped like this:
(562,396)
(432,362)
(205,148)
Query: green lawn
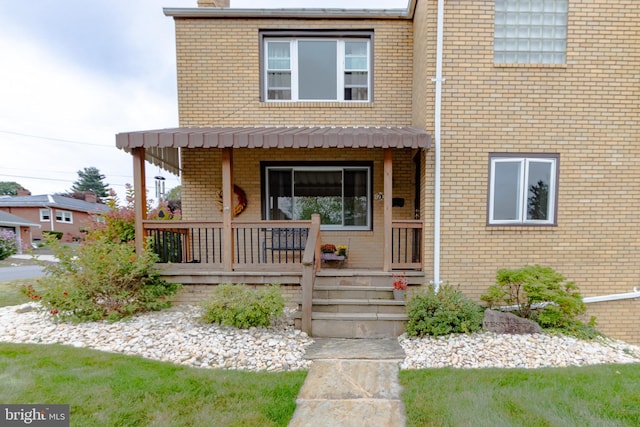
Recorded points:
(10,292)
(105,389)
(604,395)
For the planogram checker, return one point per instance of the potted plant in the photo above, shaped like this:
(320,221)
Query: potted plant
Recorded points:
(342,250)
(328,248)
(400,286)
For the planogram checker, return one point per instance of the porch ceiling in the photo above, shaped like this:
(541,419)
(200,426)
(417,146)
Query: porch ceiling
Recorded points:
(163,142)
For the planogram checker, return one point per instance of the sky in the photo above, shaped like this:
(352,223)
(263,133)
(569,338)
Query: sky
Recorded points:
(75,73)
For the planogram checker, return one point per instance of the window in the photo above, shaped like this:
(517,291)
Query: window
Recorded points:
(317,68)
(340,194)
(530,31)
(45,215)
(64,216)
(523,189)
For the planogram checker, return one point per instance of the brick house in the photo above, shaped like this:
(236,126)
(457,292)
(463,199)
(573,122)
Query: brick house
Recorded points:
(445,139)
(20,227)
(54,213)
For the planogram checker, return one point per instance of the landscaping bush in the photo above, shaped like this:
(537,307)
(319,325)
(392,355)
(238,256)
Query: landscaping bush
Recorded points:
(101,280)
(56,234)
(8,243)
(242,307)
(543,295)
(444,312)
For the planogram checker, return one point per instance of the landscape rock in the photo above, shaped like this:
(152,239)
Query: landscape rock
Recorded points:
(508,323)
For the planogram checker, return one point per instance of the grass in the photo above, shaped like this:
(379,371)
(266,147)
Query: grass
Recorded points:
(603,395)
(10,292)
(105,389)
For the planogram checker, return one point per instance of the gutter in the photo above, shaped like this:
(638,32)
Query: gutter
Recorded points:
(20,224)
(300,13)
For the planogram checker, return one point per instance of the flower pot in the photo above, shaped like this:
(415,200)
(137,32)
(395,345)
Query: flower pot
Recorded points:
(399,294)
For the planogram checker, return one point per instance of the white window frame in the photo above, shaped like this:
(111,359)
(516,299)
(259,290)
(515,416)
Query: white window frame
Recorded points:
(530,32)
(369,223)
(64,216)
(293,68)
(45,215)
(523,193)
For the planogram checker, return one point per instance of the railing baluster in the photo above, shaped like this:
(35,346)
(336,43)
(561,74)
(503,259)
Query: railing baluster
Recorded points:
(277,242)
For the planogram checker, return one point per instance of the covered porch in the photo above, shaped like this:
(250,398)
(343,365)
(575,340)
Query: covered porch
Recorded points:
(217,242)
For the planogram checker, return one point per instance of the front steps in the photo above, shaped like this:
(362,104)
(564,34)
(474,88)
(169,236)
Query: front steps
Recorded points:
(352,304)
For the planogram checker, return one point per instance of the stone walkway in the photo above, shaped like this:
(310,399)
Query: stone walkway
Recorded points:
(351,383)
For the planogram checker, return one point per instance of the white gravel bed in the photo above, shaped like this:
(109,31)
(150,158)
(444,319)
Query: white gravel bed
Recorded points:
(173,335)
(490,350)
(176,336)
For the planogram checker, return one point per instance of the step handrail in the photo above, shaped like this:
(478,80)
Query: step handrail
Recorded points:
(309,260)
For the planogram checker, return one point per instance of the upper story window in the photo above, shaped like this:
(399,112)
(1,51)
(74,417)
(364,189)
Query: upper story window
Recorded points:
(64,216)
(317,68)
(523,189)
(530,32)
(45,215)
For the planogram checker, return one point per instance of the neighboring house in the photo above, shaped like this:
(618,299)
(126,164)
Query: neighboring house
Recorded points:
(54,213)
(20,227)
(504,134)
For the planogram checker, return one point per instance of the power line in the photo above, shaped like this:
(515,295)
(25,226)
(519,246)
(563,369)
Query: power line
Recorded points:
(56,139)
(62,180)
(34,177)
(52,171)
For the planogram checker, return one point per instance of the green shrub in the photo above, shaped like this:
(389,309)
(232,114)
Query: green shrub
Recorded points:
(242,307)
(8,243)
(102,280)
(56,234)
(444,312)
(540,294)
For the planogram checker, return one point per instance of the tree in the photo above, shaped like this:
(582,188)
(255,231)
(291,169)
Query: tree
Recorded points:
(90,179)
(538,201)
(174,194)
(9,188)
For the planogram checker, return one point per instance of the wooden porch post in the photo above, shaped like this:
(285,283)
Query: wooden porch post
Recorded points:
(388,198)
(140,194)
(227,210)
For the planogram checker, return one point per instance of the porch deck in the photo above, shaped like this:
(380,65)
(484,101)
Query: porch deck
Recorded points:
(344,302)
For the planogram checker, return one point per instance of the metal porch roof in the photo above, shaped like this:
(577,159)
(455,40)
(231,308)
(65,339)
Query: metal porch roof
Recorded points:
(162,145)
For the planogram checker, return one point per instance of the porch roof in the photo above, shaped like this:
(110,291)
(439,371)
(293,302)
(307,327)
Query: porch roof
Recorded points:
(162,145)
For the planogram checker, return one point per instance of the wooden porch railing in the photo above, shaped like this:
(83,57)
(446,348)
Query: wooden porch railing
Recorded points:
(263,244)
(273,243)
(406,245)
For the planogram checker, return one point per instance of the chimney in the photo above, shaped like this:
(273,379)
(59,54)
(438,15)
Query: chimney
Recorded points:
(213,3)
(23,192)
(90,196)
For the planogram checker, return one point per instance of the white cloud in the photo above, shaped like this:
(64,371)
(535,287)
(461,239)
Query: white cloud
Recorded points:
(78,72)
(44,94)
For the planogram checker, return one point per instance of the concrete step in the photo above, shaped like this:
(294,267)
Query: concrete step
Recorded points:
(364,278)
(358,306)
(352,292)
(357,325)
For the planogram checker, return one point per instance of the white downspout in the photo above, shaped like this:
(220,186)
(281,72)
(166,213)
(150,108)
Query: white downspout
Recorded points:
(50,199)
(438,104)
(587,300)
